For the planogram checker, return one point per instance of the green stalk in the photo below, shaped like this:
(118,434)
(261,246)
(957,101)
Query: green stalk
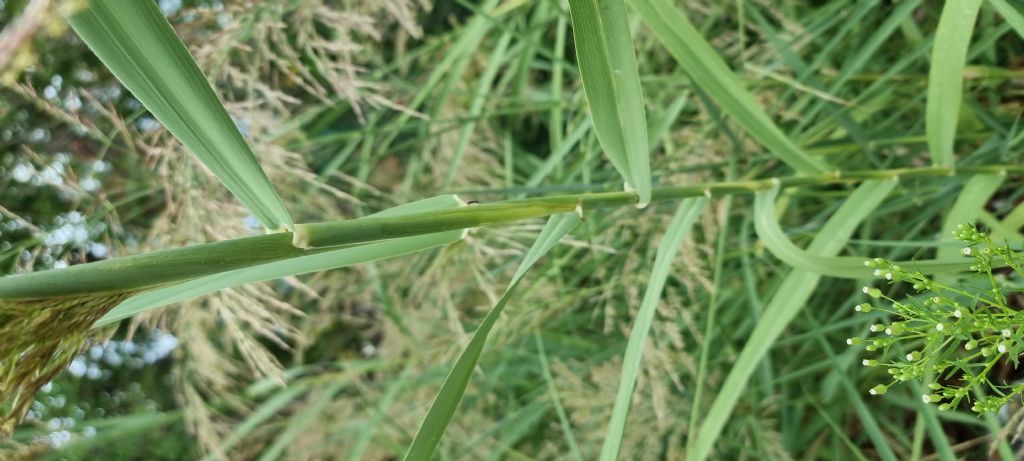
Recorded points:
(181,264)
(346,232)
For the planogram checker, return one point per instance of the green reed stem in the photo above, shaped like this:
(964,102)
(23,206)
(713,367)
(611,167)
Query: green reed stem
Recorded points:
(180,264)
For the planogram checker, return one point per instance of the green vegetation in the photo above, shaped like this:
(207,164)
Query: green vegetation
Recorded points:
(260,147)
(962,332)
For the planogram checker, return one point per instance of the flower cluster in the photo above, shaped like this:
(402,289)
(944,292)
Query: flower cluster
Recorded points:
(955,335)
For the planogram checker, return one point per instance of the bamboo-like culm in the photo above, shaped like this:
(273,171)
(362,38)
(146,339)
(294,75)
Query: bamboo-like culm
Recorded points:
(51,313)
(169,266)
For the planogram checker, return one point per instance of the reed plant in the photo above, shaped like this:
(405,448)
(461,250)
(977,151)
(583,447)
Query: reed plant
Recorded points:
(817,137)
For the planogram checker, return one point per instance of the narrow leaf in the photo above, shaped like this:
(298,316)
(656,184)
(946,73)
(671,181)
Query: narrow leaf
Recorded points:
(852,267)
(448,398)
(946,77)
(287,435)
(790,297)
(687,214)
(976,192)
(556,400)
(611,81)
(137,44)
(260,415)
(707,69)
(1011,14)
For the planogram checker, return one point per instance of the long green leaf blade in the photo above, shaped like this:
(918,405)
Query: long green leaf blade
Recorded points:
(707,69)
(1011,14)
(790,297)
(448,398)
(298,423)
(611,81)
(137,44)
(687,214)
(977,191)
(946,77)
(852,267)
(261,414)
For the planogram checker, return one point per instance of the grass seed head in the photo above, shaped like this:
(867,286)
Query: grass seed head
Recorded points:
(41,337)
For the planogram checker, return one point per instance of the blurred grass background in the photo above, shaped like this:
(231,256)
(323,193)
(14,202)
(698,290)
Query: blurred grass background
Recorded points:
(353,107)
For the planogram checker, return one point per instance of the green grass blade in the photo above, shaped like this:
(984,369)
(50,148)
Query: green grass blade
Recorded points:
(300,264)
(687,214)
(707,69)
(854,396)
(556,400)
(1011,14)
(852,267)
(379,414)
(261,414)
(790,297)
(476,107)
(295,427)
(611,81)
(977,191)
(137,44)
(946,77)
(448,398)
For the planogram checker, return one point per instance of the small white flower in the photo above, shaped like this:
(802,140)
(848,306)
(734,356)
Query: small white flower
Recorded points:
(1006,333)
(1002,348)
(888,331)
(849,341)
(865,289)
(865,362)
(878,272)
(939,327)
(910,357)
(888,275)
(958,314)
(966,251)
(925,398)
